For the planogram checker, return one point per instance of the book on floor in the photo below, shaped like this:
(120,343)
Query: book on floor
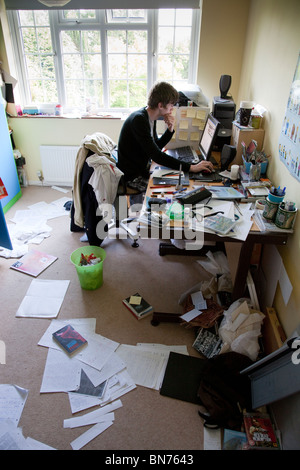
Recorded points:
(33,263)
(138,306)
(260,431)
(234,440)
(69,339)
(207,343)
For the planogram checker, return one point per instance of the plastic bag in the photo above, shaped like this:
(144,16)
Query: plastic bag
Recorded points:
(216,263)
(241,327)
(247,344)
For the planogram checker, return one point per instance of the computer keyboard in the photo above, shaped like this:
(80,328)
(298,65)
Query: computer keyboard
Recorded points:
(185,154)
(206,177)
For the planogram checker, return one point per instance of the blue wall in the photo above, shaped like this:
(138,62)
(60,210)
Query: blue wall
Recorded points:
(8,171)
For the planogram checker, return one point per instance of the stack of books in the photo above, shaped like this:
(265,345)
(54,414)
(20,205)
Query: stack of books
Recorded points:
(138,306)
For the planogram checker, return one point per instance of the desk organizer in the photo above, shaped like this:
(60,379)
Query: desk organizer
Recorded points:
(285,218)
(274,198)
(263,167)
(270,209)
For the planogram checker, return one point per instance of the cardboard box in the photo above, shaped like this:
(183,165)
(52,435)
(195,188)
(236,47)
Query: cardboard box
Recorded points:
(273,333)
(245,135)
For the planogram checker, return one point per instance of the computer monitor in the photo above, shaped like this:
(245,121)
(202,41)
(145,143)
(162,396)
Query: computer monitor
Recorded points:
(208,137)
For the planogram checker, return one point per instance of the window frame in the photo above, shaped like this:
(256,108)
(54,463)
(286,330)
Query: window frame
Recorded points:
(57,24)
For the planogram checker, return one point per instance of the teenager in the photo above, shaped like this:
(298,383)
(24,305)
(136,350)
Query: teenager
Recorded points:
(139,143)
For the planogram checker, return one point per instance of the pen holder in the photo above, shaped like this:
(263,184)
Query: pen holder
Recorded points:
(270,209)
(285,218)
(255,171)
(276,199)
(263,167)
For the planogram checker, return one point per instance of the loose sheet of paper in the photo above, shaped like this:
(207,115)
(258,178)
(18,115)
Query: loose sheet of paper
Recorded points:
(117,386)
(89,435)
(164,350)
(93,417)
(189,316)
(143,366)
(43,298)
(12,402)
(61,373)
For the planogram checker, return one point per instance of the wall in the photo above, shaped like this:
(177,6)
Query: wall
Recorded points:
(222,42)
(270,58)
(31,132)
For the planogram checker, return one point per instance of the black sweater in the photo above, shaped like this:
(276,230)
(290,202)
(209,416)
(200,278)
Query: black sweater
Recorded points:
(137,147)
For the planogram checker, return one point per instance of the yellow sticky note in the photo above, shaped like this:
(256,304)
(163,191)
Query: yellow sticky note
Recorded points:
(201,114)
(183,135)
(184,124)
(191,112)
(195,136)
(196,122)
(135,300)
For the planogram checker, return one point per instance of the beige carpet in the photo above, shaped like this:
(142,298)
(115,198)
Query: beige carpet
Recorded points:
(147,420)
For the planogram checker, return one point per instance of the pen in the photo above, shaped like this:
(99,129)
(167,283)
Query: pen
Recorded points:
(180,190)
(237,206)
(162,184)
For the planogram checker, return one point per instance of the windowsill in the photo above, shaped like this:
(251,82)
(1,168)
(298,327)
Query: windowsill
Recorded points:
(72,116)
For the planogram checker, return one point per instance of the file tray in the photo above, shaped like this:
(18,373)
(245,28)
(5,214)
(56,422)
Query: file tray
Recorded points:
(194,196)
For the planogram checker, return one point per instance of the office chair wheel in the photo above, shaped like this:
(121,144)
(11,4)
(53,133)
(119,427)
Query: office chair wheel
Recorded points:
(135,244)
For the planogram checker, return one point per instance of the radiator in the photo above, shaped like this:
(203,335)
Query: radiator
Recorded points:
(58,163)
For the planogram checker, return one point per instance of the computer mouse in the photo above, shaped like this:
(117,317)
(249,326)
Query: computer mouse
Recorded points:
(207,172)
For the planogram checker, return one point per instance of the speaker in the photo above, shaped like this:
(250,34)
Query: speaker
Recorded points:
(223,137)
(227,156)
(224,85)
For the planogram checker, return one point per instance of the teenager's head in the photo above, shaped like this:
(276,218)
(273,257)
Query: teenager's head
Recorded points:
(164,93)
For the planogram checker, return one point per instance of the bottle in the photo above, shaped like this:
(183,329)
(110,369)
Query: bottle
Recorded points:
(58,110)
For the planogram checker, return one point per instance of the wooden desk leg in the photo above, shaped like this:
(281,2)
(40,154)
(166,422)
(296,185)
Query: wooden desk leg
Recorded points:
(165,317)
(242,270)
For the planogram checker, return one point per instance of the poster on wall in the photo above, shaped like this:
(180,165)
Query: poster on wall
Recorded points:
(289,141)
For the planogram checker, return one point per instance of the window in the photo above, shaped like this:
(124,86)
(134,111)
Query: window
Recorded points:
(102,59)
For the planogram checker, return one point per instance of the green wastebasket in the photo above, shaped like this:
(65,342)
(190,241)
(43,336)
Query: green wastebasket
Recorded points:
(90,276)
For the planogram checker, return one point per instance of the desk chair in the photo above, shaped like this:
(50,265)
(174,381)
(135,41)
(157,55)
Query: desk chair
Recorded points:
(90,214)
(125,192)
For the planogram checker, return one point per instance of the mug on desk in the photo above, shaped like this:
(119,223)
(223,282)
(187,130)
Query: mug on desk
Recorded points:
(270,209)
(285,216)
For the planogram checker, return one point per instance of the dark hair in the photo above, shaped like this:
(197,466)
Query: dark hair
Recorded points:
(162,92)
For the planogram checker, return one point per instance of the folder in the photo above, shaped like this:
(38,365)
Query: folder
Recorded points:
(182,377)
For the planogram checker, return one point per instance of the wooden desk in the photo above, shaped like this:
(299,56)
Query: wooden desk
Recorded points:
(255,236)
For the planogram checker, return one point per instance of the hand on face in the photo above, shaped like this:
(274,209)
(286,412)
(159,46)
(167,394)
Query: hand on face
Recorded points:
(170,121)
(166,113)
